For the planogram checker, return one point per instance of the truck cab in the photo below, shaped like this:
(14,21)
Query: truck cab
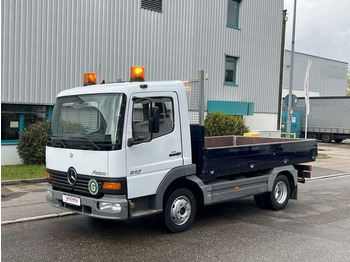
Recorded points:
(115,142)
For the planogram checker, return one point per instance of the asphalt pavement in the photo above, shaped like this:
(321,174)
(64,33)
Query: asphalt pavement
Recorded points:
(25,200)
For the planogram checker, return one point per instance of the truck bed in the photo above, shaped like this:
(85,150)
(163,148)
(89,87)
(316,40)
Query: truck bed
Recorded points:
(231,155)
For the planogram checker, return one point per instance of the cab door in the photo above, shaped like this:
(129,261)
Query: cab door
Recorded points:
(152,152)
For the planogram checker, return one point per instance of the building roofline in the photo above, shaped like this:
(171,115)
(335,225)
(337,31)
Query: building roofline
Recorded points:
(319,57)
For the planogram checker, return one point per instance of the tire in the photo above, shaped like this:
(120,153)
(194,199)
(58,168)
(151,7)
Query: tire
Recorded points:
(327,138)
(278,198)
(312,136)
(262,201)
(280,194)
(179,210)
(338,140)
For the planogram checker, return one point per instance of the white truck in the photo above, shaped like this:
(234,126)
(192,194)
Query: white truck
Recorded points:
(124,150)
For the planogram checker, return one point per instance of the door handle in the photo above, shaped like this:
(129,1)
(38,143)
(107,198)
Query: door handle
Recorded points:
(175,154)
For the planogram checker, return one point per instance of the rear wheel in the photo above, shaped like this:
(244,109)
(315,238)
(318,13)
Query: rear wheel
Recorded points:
(278,198)
(179,210)
(327,138)
(280,194)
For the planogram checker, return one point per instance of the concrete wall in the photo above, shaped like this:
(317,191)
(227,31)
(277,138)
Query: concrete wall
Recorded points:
(261,122)
(9,155)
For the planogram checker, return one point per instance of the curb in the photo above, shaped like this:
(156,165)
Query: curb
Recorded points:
(20,181)
(20,220)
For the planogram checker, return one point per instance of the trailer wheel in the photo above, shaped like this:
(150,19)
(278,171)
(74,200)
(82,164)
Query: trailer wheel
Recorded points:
(280,194)
(180,210)
(312,136)
(327,138)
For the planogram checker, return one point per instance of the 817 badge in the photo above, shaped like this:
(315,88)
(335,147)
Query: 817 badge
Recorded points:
(93,187)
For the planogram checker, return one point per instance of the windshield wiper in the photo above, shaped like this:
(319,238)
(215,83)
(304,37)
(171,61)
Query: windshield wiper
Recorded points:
(56,138)
(92,143)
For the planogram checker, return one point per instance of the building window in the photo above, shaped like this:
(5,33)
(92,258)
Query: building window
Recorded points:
(14,118)
(153,5)
(33,114)
(232,13)
(10,122)
(230,70)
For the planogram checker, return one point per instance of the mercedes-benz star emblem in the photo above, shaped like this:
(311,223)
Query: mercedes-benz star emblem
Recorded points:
(72,176)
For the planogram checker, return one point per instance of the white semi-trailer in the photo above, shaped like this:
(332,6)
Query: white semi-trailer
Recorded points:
(329,118)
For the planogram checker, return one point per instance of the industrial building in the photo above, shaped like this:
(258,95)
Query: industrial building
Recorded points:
(47,45)
(327,77)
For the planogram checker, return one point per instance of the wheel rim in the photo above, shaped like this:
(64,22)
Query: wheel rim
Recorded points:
(180,210)
(281,192)
(326,138)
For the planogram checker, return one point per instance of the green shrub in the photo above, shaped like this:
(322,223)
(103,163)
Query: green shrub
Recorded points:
(32,142)
(222,124)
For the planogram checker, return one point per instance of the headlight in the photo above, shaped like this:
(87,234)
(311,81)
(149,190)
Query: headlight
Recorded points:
(49,194)
(109,207)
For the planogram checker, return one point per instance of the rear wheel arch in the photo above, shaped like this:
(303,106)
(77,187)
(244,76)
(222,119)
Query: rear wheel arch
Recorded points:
(292,184)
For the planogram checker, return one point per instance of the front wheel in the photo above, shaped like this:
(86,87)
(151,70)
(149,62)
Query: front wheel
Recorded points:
(179,210)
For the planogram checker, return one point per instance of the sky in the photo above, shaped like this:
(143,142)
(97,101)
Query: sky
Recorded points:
(322,28)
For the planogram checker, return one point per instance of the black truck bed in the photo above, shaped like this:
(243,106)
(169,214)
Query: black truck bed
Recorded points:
(232,155)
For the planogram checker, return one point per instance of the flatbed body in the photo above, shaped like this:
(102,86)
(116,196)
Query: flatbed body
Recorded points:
(233,155)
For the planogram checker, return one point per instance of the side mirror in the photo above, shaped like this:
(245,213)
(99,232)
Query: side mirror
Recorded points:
(154,120)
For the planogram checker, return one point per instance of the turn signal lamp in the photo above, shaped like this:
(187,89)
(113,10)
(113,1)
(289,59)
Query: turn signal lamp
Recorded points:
(112,185)
(48,176)
(90,79)
(137,73)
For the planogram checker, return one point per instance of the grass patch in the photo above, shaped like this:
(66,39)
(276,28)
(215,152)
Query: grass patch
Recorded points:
(13,172)
(321,155)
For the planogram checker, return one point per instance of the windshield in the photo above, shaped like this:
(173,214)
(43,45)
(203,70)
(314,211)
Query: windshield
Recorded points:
(91,122)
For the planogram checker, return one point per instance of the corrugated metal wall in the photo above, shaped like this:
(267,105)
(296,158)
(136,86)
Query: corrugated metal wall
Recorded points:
(327,77)
(47,45)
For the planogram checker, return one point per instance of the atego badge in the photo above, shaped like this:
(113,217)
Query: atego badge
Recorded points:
(93,187)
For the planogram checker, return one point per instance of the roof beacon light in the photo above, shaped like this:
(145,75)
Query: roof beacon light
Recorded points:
(90,79)
(137,73)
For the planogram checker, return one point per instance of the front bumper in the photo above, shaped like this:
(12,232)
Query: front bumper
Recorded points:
(89,206)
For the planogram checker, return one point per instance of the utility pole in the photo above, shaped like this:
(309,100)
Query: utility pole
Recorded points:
(290,112)
(281,69)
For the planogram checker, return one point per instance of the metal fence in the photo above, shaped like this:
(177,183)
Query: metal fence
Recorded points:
(195,99)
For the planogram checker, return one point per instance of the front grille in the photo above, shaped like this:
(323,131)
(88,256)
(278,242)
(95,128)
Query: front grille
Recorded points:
(59,181)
